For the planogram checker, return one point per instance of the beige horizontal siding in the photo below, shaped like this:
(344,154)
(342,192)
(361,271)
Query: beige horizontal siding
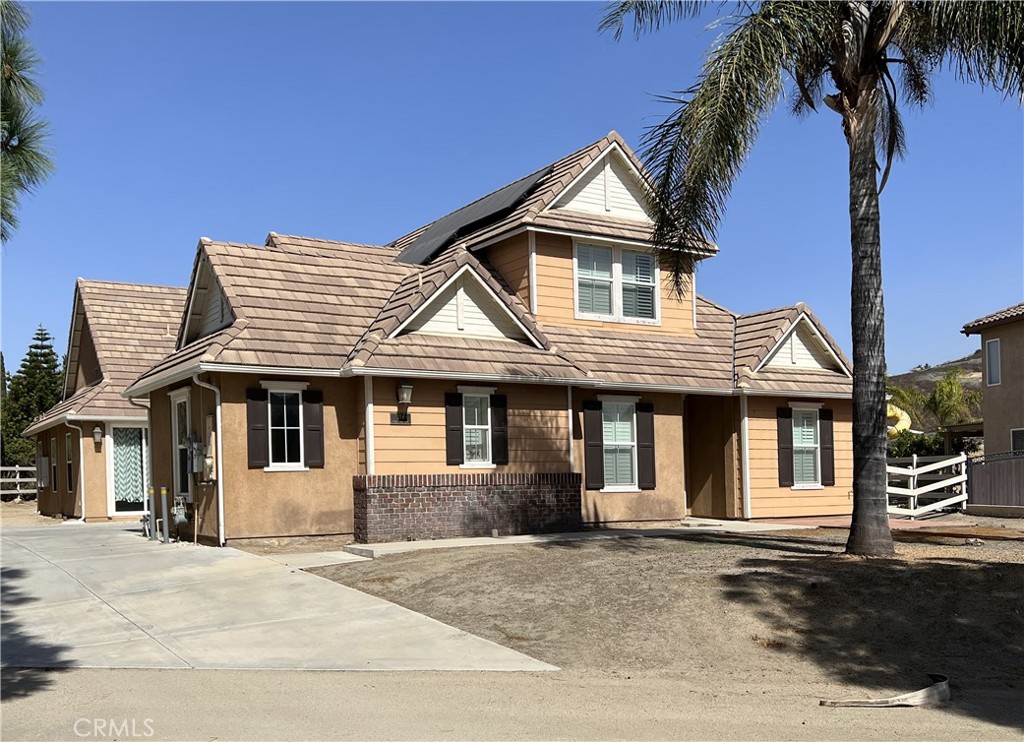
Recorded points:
(556,294)
(767,498)
(537,420)
(511,258)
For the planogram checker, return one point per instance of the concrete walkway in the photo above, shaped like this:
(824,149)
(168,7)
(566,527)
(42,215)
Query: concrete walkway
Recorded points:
(103,596)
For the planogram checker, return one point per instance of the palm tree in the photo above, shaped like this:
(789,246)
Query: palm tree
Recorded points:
(950,402)
(868,53)
(24,161)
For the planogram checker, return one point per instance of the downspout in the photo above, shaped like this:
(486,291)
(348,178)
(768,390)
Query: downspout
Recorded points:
(81,465)
(220,457)
(368,432)
(745,455)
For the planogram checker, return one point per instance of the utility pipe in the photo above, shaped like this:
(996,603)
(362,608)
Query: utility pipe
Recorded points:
(220,458)
(81,465)
(745,454)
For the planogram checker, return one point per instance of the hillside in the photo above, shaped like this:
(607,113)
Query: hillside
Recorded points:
(925,377)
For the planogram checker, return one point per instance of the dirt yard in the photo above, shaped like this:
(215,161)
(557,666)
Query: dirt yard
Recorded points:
(17,513)
(747,613)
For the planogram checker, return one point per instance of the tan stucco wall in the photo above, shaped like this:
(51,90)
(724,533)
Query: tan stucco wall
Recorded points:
(1003,405)
(767,499)
(538,435)
(712,447)
(315,502)
(666,501)
(555,293)
(59,500)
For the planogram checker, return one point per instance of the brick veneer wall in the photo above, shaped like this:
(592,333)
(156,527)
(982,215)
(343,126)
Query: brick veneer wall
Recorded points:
(398,507)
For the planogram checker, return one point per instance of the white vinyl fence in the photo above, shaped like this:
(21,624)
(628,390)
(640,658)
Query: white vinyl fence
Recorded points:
(939,481)
(18,481)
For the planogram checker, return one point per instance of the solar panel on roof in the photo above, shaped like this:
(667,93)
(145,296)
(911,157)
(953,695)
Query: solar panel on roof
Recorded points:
(469,218)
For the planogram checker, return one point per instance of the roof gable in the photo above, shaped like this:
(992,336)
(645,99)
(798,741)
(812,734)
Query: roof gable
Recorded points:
(802,348)
(611,186)
(208,309)
(465,306)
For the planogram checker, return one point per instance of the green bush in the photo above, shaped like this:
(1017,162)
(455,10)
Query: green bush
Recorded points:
(908,443)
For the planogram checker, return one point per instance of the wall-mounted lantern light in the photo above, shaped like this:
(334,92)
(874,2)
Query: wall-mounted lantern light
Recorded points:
(97,435)
(405,393)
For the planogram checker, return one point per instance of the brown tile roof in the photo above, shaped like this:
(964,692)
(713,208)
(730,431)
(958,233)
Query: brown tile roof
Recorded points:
(132,326)
(1003,316)
(649,359)
(531,211)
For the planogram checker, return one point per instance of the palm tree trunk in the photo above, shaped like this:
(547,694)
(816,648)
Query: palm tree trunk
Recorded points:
(869,532)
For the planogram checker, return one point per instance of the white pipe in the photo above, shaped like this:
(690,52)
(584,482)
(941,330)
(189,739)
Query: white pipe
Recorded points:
(745,455)
(368,394)
(221,540)
(81,466)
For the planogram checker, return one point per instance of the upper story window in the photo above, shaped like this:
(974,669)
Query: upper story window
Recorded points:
(616,284)
(993,372)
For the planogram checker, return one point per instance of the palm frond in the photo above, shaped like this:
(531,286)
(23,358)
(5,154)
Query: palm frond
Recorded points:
(890,136)
(648,15)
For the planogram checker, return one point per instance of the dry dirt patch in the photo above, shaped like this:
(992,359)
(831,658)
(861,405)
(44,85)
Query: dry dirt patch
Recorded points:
(785,607)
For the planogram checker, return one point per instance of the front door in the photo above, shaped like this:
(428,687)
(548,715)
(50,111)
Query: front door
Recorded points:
(129,469)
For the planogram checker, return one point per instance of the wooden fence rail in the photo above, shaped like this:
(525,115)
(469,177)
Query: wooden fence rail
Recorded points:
(17,481)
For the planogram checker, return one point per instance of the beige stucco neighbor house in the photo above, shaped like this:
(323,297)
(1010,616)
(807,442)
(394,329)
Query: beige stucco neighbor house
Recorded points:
(521,364)
(1002,345)
(92,447)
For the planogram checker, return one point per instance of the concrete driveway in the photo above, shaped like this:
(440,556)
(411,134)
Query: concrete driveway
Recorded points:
(103,596)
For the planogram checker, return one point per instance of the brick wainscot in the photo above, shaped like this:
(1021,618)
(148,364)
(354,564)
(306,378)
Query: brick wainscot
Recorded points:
(400,507)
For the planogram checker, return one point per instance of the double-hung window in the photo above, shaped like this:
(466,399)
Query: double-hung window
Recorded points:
(69,463)
(616,284)
(619,429)
(993,372)
(53,464)
(476,429)
(285,415)
(806,449)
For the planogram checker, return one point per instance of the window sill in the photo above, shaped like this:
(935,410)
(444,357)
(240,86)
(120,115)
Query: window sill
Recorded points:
(619,320)
(628,489)
(807,487)
(478,466)
(286,467)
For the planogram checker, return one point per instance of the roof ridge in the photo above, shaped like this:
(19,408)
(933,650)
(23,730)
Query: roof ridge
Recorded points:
(94,281)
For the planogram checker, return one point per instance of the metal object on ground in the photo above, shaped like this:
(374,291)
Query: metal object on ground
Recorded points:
(933,695)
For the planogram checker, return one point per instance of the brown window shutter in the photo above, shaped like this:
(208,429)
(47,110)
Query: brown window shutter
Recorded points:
(593,437)
(828,448)
(646,479)
(313,428)
(453,428)
(259,438)
(499,429)
(784,416)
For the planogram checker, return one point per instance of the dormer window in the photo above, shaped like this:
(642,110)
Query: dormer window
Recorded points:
(615,284)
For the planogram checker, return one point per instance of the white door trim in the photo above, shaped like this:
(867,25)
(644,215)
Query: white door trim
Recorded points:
(108,442)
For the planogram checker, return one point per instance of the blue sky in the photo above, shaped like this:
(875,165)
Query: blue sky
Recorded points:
(363,121)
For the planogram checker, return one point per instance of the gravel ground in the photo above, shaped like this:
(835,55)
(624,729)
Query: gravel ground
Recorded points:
(743,613)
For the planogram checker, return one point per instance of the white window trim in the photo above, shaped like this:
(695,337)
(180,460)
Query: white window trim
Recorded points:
(69,461)
(286,387)
(1012,431)
(814,407)
(53,464)
(988,366)
(616,283)
(177,397)
(618,399)
(484,392)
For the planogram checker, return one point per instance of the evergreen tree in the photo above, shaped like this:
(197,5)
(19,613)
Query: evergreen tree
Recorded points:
(24,159)
(34,389)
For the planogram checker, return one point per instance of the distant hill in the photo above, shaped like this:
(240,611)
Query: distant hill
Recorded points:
(925,377)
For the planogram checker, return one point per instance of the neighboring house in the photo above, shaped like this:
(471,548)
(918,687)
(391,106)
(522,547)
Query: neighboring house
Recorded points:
(91,448)
(521,364)
(1002,350)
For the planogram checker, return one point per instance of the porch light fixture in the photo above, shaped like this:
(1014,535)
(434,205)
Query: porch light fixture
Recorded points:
(97,435)
(405,393)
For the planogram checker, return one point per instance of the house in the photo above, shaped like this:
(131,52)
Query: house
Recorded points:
(524,363)
(1002,344)
(92,447)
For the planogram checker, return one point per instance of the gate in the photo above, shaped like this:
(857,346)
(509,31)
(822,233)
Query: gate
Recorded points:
(997,480)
